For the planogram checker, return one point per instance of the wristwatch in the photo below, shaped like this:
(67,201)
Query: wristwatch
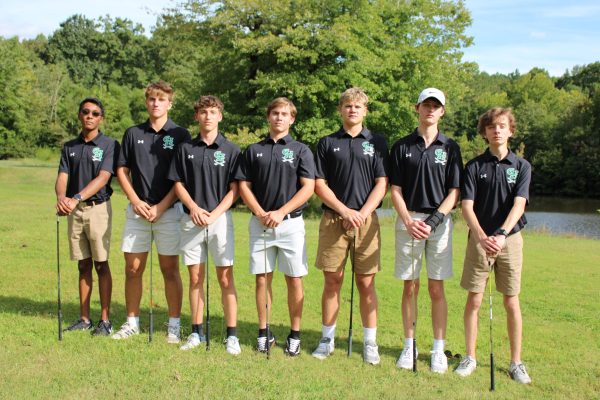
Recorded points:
(502,232)
(78,197)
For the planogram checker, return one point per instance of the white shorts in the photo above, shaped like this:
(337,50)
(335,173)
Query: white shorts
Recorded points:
(220,241)
(137,232)
(437,249)
(285,245)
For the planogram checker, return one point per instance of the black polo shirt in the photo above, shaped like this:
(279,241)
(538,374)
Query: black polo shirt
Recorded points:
(148,155)
(82,162)
(275,169)
(493,186)
(351,164)
(205,171)
(425,175)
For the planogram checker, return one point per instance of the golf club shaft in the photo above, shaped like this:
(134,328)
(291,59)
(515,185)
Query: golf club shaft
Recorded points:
(207,297)
(266,292)
(492,369)
(151,316)
(60,333)
(414,306)
(352,292)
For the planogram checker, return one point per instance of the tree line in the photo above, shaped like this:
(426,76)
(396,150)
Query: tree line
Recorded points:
(248,52)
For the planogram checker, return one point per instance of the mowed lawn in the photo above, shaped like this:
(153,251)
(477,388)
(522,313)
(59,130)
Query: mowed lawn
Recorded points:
(560,302)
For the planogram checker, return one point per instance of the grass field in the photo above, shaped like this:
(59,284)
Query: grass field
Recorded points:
(560,302)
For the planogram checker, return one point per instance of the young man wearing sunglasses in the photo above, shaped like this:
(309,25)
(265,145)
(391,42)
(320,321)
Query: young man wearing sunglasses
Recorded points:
(83,195)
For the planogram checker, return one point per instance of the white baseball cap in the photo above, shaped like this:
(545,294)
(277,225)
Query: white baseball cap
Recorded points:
(432,92)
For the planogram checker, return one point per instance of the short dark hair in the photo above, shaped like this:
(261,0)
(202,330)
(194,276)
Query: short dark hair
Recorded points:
(92,100)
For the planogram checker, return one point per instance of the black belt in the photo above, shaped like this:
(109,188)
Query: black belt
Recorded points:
(295,214)
(91,203)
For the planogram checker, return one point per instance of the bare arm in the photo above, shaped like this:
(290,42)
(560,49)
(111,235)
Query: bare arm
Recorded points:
(487,243)
(352,218)
(64,205)
(140,207)
(250,199)
(416,229)
(224,205)
(513,217)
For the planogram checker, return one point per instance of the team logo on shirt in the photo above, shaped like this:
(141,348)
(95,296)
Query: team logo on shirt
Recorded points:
(72,154)
(511,175)
(97,154)
(441,156)
(287,155)
(219,158)
(168,142)
(368,149)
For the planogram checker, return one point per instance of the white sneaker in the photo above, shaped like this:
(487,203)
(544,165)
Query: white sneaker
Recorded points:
(173,334)
(518,373)
(232,345)
(439,362)
(193,341)
(405,361)
(466,367)
(126,331)
(324,349)
(371,353)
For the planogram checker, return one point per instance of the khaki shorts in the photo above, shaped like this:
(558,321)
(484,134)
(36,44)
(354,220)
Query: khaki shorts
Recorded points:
(335,243)
(507,266)
(138,232)
(89,231)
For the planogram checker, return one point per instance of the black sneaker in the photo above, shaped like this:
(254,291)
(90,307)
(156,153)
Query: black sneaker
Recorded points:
(80,325)
(292,347)
(262,343)
(104,328)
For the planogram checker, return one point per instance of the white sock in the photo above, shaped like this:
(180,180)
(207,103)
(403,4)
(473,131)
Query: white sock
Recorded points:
(133,321)
(408,343)
(174,321)
(328,332)
(438,345)
(370,334)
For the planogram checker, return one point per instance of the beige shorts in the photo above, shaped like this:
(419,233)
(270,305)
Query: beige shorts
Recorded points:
(220,241)
(138,232)
(507,266)
(89,231)
(335,243)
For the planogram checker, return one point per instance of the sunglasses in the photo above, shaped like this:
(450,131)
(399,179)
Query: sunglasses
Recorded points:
(85,111)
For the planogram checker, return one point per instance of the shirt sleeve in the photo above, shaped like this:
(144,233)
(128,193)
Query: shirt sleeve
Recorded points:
(469,185)
(523,180)
(125,153)
(176,167)
(306,165)
(382,158)
(454,172)
(108,161)
(395,165)
(63,166)
(234,164)
(244,166)
(320,159)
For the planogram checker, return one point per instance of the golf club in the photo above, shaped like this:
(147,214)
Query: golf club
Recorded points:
(207,296)
(352,292)
(414,306)
(266,292)
(492,380)
(58,275)
(151,316)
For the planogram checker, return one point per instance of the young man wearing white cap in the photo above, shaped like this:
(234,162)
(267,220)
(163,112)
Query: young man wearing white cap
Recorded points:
(425,172)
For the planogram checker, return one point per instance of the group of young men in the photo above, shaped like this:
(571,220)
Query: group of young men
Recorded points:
(181,190)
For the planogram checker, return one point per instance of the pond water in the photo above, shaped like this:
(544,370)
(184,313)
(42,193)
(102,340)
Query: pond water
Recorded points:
(553,215)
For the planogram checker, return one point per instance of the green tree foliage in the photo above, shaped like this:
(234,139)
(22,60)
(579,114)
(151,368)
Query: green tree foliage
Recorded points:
(310,51)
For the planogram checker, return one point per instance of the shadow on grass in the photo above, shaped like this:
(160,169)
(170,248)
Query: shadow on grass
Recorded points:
(246,330)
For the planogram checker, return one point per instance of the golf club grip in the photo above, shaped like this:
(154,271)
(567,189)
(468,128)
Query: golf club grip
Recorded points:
(414,351)
(492,380)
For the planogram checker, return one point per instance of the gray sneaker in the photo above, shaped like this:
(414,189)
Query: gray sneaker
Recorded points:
(466,366)
(518,373)
(104,328)
(173,334)
(371,353)
(324,349)
(80,325)
(126,331)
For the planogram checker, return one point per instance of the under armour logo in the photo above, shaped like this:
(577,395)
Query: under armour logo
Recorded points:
(483,176)
(140,141)
(72,154)
(408,155)
(336,149)
(190,156)
(258,154)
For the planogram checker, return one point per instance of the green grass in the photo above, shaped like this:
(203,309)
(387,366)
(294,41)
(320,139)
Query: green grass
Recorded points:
(560,302)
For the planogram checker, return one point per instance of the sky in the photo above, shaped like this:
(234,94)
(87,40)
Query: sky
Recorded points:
(508,35)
